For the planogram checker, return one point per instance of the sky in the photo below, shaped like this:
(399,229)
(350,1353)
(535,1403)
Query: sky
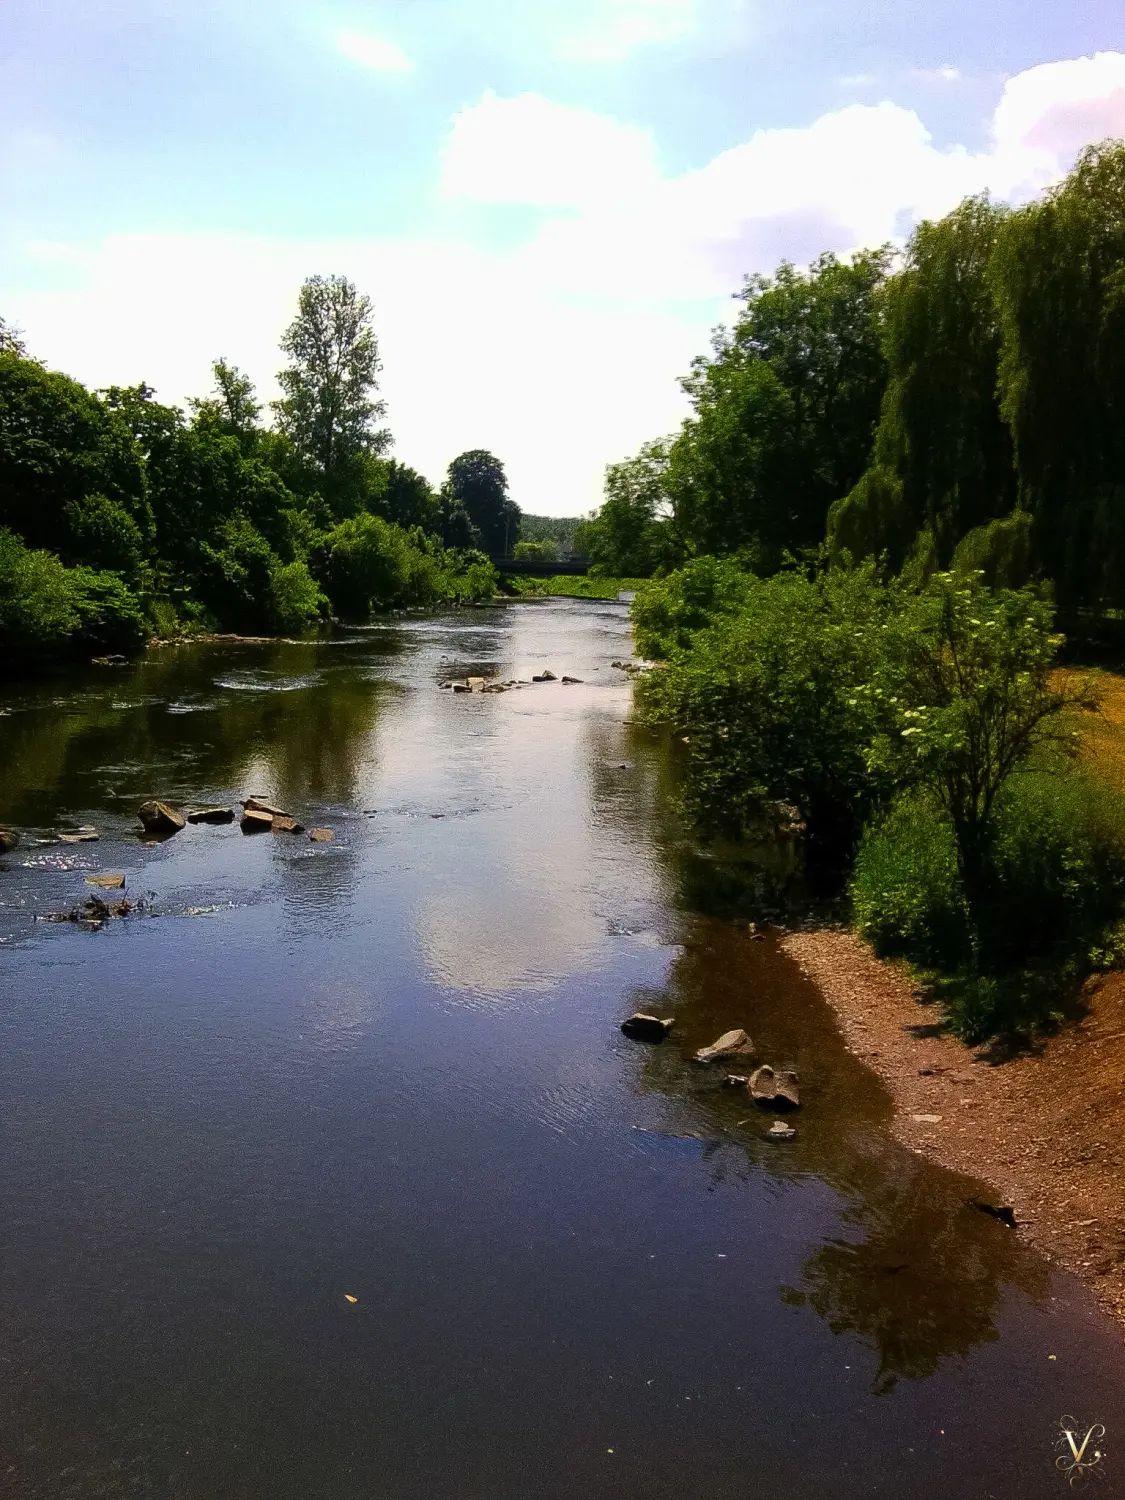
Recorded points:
(551,203)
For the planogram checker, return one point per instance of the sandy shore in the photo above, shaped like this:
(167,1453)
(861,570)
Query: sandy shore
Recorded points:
(1045,1129)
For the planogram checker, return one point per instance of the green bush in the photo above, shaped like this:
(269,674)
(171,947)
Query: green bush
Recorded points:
(48,610)
(371,564)
(778,699)
(1055,897)
(234,577)
(295,598)
(906,893)
(667,612)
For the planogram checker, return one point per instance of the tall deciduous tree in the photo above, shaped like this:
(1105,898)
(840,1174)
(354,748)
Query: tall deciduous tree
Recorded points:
(478,481)
(329,409)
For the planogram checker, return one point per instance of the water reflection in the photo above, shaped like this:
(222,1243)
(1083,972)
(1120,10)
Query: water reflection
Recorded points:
(184,722)
(919,1276)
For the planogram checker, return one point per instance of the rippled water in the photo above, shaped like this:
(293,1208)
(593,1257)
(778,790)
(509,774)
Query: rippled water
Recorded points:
(388,1068)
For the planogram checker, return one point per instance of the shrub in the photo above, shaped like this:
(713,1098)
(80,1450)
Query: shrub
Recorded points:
(906,893)
(667,612)
(296,601)
(372,564)
(234,577)
(1047,917)
(779,703)
(47,609)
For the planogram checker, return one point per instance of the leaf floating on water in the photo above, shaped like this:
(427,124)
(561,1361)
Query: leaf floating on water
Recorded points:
(349,1298)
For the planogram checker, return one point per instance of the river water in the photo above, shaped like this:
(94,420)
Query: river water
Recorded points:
(389,1068)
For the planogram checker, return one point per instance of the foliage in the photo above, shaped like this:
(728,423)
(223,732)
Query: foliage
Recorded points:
(47,609)
(477,482)
(571,586)
(1059,854)
(970,669)
(1059,282)
(328,409)
(561,530)
(58,445)
(233,409)
(407,498)
(370,564)
(541,551)
(629,534)
(779,703)
(941,440)
(667,612)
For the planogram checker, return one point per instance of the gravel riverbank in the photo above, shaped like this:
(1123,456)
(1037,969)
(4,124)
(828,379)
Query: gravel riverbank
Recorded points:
(1045,1128)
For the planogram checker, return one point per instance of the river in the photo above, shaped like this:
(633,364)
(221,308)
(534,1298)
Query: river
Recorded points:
(388,1068)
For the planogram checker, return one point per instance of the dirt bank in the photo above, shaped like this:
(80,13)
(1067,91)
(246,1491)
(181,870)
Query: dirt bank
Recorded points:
(1045,1129)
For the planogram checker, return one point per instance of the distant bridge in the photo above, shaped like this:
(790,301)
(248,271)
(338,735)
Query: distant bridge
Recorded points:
(538,567)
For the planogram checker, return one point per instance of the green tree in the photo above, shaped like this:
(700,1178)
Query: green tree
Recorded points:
(970,674)
(329,408)
(478,481)
(942,458)
(1059,281)
(59,447)
(784,410)
(631,534)
(232,409)
(408,498)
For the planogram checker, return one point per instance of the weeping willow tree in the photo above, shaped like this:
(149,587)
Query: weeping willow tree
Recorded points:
(1058,278)
(942,460)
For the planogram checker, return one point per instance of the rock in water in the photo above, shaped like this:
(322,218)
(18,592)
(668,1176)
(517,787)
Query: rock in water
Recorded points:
(731,1044)
(779,1131)
(159,818)
(211,815)
(321,835)
(107,882)
(572,679)
(286,825)
(544,677)
(255,804)
(461,687)
(255,820)
(776,1089)
(644,1028)
(9,840)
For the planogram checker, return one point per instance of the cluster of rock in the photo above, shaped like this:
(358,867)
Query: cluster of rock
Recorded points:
(486,685)
(770,1088)
(160,820)
(631,668)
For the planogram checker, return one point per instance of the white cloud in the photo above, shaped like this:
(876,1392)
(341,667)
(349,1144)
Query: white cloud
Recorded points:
(562,353)
(374,52)
(530,150)
(1047,114)
(620,26)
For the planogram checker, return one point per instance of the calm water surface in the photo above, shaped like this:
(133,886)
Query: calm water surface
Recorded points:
(389,1068)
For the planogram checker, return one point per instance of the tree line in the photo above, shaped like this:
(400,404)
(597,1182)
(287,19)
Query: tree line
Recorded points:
(962,407)
(120,515)
(896,475)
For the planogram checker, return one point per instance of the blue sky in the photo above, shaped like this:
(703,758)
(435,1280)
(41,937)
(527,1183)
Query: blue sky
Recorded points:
(549,203)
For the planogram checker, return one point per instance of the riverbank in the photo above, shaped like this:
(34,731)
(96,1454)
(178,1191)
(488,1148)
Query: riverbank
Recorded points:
(1044,1128)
